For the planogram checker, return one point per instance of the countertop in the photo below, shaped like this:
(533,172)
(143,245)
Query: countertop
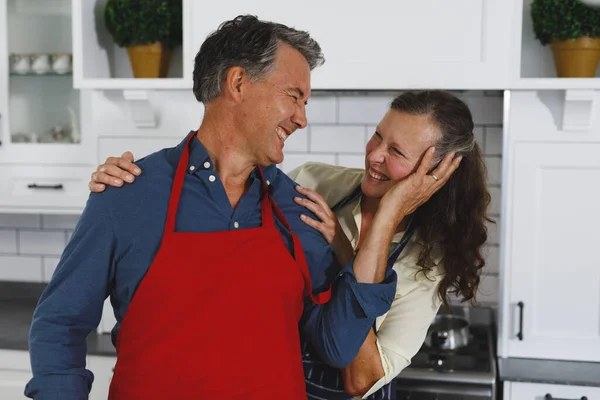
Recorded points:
(549,371)
(17,303)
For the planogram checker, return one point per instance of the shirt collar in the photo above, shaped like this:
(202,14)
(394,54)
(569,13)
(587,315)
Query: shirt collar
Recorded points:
(200,160)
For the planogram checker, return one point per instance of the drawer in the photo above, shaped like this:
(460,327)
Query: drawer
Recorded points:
(44,189)
(543,391)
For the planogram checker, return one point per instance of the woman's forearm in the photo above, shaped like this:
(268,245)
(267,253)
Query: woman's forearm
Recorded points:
(370,263)
(366,368)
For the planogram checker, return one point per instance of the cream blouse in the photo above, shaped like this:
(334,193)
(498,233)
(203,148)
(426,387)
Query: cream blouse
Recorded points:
(401,331)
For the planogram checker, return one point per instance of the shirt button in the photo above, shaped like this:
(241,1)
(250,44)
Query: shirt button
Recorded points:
(212,178)
(206,164)
(268,183)
(192,168)
(236,225)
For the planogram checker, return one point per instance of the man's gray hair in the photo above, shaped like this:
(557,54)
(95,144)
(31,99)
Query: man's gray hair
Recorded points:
(249,43)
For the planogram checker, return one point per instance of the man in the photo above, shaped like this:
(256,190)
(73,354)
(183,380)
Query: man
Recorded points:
(205,259)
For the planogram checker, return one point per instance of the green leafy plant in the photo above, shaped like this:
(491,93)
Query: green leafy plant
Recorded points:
(140,22)
(557,20)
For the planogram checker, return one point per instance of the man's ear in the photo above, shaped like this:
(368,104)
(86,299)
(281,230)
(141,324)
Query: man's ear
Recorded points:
(235,83)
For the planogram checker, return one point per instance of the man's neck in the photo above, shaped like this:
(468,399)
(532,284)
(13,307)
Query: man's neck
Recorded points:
(232,164)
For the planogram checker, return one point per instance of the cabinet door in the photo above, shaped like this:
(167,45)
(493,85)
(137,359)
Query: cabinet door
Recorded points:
(391,44)
(102,367)
(552,258)
(540,391)
(40,110)
(15,372)
(4,67)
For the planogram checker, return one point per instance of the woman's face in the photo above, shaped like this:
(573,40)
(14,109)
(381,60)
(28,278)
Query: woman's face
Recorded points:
(394,150)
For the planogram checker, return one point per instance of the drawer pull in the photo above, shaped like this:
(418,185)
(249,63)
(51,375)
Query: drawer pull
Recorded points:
(548,396)
(36,186)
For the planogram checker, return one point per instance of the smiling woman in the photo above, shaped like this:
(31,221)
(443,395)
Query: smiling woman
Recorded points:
(439,243)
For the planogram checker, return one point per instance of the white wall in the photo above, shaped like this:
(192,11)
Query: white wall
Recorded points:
(339,127)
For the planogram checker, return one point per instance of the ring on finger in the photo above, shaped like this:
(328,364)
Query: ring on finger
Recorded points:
(435,177)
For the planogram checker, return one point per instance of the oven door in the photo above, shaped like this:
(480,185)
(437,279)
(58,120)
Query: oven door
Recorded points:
(431,390)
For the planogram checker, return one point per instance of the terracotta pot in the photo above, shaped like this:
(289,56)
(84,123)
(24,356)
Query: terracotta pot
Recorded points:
(576,58)
(149,61)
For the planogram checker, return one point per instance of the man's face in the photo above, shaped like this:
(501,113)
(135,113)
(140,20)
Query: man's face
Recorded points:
(275,107)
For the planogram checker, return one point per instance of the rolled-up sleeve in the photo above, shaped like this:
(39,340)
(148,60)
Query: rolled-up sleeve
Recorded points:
(70,308)
(338,328)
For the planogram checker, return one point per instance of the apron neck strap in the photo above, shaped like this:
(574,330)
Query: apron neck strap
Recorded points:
(178,185)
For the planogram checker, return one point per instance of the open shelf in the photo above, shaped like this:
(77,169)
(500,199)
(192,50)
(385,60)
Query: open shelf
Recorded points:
(100,64)
(534,68)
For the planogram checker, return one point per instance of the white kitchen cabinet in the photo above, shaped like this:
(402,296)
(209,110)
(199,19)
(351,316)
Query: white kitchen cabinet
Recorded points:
(546,391)
(15,372)
(550,280)
(40,112)
(390,44)
(102,367)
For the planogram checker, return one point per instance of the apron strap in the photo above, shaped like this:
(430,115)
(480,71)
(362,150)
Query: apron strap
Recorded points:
(177,186)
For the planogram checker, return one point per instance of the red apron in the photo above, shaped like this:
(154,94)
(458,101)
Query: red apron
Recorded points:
(216,316)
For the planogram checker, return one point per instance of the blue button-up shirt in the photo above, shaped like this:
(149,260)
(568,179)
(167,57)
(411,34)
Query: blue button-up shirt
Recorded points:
(117,237)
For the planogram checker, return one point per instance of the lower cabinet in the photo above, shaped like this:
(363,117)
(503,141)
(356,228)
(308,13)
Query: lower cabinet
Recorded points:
(15,372)
(543,391)
(102,367)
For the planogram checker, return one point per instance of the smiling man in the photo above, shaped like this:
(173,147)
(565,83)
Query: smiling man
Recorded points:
(206,261)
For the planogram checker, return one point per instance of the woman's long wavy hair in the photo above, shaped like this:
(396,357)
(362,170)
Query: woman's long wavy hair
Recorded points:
(453,220)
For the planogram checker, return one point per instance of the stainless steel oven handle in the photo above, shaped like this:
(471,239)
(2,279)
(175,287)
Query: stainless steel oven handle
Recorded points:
(437,388)
(548,396)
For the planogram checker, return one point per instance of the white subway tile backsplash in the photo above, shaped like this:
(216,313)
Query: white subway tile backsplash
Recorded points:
(20,268)
(297,141)
(492,259)
(41,242)
(8,241)
(292,161)
(49,265)
(322,110)
(20,221)
(493,141)
(494,167)
(488,290)
(493,231)
(494,208)
(351,161)
(337,138)
(479,134)
(485,109)
(52,221)
(363,109)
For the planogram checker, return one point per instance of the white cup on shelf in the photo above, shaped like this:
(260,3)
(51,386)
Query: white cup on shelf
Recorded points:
(20,63)
(40,63)
(61,63)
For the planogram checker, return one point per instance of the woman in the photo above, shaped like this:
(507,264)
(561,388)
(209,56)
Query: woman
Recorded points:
(436,250)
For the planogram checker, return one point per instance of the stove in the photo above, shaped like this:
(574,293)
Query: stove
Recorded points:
(468,373)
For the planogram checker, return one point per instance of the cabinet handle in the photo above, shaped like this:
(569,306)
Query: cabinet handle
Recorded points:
(520,334)
(36,186)
(548,396)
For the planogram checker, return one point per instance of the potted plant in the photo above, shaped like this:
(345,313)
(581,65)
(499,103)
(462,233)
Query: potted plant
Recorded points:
(149,29)
(573,31)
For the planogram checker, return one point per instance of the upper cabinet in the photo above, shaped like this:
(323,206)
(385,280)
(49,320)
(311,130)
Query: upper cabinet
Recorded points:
(40,111)
(389,45)
(45,159)
(101,64)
